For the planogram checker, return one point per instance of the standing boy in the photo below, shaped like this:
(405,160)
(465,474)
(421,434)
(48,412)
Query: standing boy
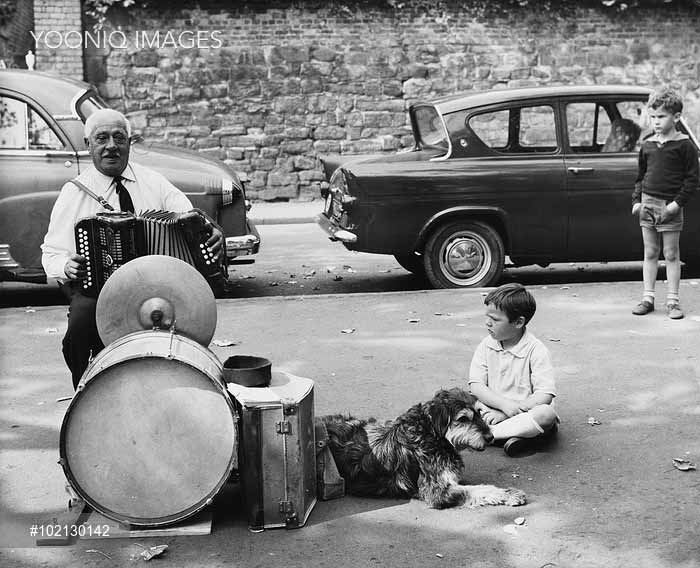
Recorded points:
(667,178)
(511,372)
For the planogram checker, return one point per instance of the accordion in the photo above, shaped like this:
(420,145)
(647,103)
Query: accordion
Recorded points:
(109,240)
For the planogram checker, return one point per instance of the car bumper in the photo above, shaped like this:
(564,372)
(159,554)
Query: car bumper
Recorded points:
(335,232)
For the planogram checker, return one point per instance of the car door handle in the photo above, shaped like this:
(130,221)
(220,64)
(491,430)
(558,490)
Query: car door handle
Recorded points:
(580,170)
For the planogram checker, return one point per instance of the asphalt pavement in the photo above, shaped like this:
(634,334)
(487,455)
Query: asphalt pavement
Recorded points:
(605,494)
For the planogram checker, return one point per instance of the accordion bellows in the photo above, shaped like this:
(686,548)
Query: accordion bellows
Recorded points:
(109,240)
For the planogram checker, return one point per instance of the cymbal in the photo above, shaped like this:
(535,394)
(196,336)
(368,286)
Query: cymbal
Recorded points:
(160,292)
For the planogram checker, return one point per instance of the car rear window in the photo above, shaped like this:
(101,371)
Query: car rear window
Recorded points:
(517,130)
(430,128)
(606,126)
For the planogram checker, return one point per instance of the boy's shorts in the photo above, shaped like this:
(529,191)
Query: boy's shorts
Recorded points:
(651,214)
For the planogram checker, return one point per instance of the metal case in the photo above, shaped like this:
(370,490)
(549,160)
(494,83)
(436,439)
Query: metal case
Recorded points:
(276,451)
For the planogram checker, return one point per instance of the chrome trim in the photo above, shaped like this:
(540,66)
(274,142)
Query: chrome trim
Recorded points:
(74,104)
(242,245)
(449,140)
(334,232)
(6,260)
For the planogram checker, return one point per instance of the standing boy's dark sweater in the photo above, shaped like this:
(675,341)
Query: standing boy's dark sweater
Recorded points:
(667,170)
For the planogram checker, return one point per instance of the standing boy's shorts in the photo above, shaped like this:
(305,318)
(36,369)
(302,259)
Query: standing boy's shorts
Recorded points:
(652,212)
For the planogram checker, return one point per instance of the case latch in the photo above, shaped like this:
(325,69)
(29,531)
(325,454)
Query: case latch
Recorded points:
(284,427)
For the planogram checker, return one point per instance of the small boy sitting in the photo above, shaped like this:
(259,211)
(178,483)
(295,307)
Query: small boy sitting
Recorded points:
(511,372)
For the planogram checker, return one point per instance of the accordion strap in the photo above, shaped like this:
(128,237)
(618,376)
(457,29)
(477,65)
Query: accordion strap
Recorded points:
(102,201)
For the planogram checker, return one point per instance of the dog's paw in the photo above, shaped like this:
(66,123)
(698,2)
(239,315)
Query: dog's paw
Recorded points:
(514,497)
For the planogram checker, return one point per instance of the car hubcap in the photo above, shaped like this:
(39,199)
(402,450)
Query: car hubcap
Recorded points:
(465,258)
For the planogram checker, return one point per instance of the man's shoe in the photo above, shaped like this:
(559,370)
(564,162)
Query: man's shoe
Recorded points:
(674,311)
(643,308)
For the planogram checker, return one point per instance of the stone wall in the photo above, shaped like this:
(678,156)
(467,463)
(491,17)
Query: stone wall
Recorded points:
(53,19)
(301,79)
(16,21)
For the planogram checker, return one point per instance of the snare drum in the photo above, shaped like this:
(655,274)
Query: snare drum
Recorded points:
(150,436)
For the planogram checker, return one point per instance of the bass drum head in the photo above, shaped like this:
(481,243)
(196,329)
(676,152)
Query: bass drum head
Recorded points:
(148,441)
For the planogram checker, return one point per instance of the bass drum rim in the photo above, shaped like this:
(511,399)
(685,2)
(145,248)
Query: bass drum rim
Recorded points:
(88,378)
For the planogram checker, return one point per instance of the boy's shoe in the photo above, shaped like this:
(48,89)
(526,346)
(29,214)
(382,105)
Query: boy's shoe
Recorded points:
(516,446)
(674,311)
(643,308)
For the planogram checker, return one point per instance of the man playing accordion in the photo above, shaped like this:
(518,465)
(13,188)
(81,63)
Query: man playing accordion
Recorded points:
(112,183)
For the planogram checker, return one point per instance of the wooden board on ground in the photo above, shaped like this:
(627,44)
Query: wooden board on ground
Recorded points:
(200,524)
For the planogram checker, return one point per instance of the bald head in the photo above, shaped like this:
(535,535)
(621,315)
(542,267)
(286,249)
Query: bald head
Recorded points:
(107,135)
(106,116)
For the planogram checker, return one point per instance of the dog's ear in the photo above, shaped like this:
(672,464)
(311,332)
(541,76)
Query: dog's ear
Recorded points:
(439,413)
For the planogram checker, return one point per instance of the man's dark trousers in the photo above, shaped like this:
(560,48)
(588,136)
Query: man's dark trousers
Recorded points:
(81,340)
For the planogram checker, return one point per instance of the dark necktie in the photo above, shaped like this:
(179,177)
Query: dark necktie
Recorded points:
(125,203)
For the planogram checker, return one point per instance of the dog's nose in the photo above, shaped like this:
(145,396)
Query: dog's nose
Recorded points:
(488,437)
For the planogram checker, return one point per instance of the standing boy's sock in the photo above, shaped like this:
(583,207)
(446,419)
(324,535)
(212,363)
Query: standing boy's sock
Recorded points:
(673,298)
(649,296)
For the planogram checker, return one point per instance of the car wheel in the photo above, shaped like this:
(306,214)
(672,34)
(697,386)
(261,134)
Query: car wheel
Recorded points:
(464,254)
(411,262)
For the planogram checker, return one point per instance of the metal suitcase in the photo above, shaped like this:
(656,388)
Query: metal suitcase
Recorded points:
(276,451)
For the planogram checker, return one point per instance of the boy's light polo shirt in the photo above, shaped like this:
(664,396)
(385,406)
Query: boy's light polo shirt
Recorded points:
(516,373)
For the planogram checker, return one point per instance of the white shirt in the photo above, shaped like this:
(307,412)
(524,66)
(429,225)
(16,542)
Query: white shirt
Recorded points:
(148,190)
(516,373)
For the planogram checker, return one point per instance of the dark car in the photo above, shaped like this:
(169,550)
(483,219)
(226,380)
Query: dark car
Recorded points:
(42,147)
(540,175)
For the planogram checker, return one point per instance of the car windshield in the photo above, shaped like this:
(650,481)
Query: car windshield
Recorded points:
(429,127)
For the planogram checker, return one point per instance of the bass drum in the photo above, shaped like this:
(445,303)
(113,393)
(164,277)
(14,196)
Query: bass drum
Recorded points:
(150,436)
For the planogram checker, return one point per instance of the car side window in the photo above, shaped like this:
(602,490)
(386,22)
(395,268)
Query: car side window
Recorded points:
(22,128)
(517,130)
(605,127)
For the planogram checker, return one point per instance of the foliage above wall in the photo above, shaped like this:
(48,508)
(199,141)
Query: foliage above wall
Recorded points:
(97,9)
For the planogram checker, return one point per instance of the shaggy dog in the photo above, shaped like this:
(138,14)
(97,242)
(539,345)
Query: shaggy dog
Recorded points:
(416,455)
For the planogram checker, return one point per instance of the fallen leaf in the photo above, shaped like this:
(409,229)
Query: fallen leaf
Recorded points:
(337,278)
(593,421)
(519,521)
(225,342)
(510,529)
(153,551)
(63,398)
(330,268)
(414,320)
(99,552)
(555,339)
(439,555)
(30,311)
(51,330)
(565,288)
(291,281)
(348,330)
(274,284)
(683,464)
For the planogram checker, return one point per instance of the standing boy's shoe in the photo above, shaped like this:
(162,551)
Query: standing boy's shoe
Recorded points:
(643,308)
(674,311)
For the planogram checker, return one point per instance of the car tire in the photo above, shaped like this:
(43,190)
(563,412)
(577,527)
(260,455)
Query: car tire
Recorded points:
(411,262)
(464,254)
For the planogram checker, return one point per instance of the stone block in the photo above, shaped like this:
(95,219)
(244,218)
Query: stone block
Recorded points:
(324,54)
(329,132)
(327,147)
(138,120)
(296,146)
(304,163)
(276,178)
(306,176)
(285,192)
(146,58)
